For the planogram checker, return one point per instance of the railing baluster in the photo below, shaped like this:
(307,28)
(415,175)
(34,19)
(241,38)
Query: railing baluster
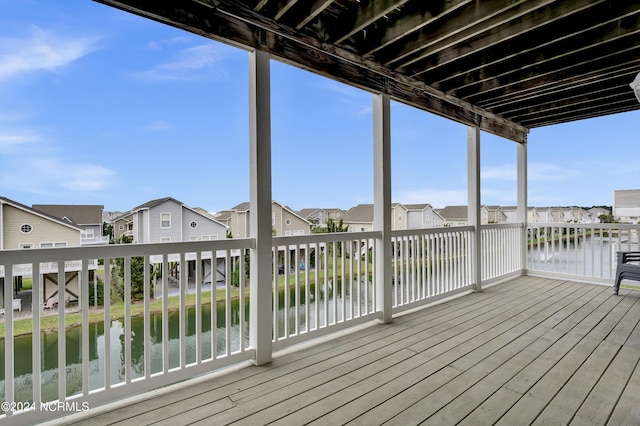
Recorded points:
(147,317)
(107,323)
(182,310)
(198,277)
(127,319)
(227,304)
(36,361)
(83,289)
(62,367)
(165,313)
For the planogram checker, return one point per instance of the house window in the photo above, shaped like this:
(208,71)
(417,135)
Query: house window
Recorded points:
(89,233)
(193,224)
(193,238)
(165,240)
(52,245)
(165,220)
(26,228)
(121,227)
(400,217)
(273,218)
(26,246)
(288,221)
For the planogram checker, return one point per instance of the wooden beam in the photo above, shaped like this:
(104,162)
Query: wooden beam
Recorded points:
(317,8)
(496,29)
(411,23)
(369,14)
(233,24)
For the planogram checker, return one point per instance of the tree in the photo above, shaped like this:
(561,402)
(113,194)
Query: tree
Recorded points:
(137,277)
(107,230)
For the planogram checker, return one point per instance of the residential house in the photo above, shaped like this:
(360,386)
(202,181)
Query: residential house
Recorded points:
(533,214)
(492,214)
(359,218)
(321,216)
(285,222)
(595,213)
(169,220)
(455,215)
(86,217)
(23,227)
(123,226)
(423,216)
(626,205)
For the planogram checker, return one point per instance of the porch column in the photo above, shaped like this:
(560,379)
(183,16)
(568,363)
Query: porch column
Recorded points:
(260,205)
(382,201)
(521,210)
(474,217)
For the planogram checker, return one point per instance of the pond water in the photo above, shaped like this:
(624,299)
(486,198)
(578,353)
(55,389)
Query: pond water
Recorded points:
(23,383)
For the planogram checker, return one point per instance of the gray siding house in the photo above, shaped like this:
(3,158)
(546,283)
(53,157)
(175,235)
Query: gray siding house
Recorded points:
(169,220)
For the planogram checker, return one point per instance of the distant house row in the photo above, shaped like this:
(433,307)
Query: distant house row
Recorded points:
(167,219)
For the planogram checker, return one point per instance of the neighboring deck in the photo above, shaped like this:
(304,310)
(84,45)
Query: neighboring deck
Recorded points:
(528,350)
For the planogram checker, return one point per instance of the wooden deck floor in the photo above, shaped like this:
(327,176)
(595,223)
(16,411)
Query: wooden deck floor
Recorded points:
(530,351)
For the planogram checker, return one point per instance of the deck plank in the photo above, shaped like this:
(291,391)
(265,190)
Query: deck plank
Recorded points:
(528,350)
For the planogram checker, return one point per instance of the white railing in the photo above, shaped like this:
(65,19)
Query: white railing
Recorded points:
(429,264)
(94,240)
(26,269)
(197,325)
(195,317)
(324,283)
(585,252)
(501,251)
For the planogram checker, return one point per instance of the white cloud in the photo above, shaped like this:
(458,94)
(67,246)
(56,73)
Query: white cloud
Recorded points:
(438,198)
(194,63)
(49,175)
(504,173)
(10,139)
(40,50)
(550,172)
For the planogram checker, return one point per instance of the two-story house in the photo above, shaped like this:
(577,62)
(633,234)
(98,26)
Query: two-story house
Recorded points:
(284,221)
(22,227)
(86,217)
(169,220)
(320,216)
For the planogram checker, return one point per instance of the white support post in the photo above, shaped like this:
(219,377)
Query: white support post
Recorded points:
(521,210)
(474,217)
(260,205)
(382,201)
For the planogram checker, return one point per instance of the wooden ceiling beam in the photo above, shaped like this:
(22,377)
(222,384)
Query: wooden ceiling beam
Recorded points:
(532,51)
(372,12)
(476,15)
(317,8)
(587,110)
(412,23)
(498,30)
(560,87)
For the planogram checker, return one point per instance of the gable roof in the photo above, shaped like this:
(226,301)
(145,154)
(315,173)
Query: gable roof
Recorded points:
(19,206)
(454,212)
(153,203)
(362,213)
(79,214)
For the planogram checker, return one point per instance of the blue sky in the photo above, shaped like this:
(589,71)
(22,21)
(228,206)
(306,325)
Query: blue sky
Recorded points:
(98,106)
